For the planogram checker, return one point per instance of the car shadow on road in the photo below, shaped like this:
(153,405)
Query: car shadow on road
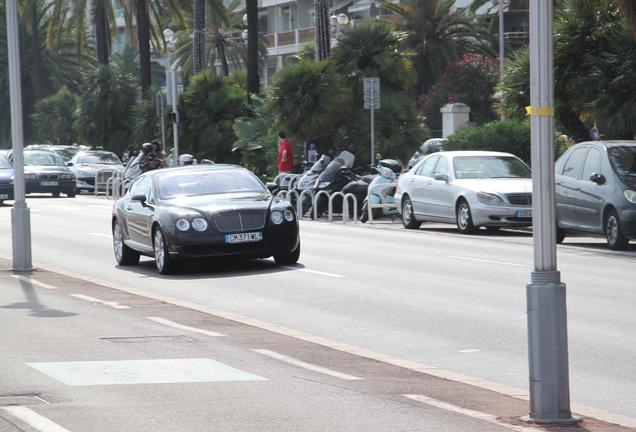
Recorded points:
(601,246)
(216,268)
(480,233)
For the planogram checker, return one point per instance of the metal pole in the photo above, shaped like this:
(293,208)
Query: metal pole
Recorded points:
(546,294)
(502,52)
(372,129)
(175,120)
(20,214)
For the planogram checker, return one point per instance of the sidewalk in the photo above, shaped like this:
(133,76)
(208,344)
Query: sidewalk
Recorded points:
(81,357)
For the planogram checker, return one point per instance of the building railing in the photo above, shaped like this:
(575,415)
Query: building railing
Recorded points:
(289,38)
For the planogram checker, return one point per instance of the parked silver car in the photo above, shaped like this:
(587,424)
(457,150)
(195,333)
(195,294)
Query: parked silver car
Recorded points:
(595,186)
(86,164)
(468,188)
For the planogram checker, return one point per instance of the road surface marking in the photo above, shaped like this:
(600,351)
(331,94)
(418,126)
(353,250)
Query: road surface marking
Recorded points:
(112,304)
(313,271)
(521,394)
(102,235)
(470,413)
(33,419)
(469,351)
(487,261)
(183,327)
(155,371)
(34,282)
(308,366)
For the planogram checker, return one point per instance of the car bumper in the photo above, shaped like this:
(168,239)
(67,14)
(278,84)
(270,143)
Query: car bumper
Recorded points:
(64,186)
(6,192)
(485,215)
(212,244)
(628,221)
(86,183)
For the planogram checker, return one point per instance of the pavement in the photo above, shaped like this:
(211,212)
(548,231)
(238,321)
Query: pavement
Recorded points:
(85,357)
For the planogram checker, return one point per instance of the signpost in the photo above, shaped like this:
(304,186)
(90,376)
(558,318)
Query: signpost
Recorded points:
(161,113)
(372,102)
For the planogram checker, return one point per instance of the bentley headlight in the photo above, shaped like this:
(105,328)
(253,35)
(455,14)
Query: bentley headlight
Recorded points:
(199,224)
(289,215)
(277,217)
(489,199)
(631,196)
(183,225)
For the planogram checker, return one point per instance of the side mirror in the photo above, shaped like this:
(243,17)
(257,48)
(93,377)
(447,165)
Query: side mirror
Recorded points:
(271,186)
(598,178)
(141,198)
(441,177)
(68,164)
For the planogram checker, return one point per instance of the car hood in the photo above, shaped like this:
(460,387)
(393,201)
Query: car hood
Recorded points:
(96,167)
(46,170)
(499,186)
(211,204)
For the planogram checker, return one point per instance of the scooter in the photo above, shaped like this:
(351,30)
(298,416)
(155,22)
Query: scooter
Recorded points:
(336,176)
(388,170)
(307,182)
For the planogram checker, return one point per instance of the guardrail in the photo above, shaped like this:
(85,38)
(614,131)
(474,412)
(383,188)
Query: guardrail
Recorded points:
(345,206)
(117,185)
(102,177)
(382,206)
(347,200)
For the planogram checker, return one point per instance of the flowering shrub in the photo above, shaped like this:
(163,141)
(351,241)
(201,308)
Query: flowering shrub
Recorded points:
(470,80)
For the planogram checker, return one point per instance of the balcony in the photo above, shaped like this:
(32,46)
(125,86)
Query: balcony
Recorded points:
(289,42)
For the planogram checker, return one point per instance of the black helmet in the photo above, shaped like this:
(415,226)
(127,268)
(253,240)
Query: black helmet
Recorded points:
(391,164)
(146,148)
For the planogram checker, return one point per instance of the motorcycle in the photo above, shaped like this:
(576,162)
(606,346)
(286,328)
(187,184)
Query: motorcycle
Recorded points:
(307,182)
(334,178)
(388,170)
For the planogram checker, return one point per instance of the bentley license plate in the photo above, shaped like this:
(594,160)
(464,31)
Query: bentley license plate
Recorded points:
(243,237)
(49,183)
(523,213)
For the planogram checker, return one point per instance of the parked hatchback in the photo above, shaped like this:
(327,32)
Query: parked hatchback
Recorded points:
(596,191)
(468,188)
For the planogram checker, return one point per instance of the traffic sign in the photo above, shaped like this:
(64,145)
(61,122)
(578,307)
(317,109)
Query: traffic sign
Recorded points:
(371,87)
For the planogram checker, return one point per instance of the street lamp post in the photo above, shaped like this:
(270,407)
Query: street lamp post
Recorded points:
(502,52)
(546,294)
(172,90)
(338,22)
(20,214)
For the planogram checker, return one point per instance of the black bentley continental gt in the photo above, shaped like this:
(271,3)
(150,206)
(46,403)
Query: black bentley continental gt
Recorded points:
(201,212)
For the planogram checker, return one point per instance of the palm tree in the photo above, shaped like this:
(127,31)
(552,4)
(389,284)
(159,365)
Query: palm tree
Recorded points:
(198,42)
(437,32)
(253,84)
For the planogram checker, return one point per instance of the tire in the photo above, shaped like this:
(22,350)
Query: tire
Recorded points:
(616,240)
(560,235)
(163,261)
(464,218)
(288,258)
(493,229)
(124,255)
(55,194)
(71,194)
(408,218)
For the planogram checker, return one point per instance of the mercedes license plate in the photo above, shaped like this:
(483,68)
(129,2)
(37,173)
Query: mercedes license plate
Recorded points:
(243,237)
(49,183)
(4,196)
(523,213)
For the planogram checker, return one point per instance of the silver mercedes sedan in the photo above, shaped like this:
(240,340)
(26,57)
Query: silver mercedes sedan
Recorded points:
(468,188)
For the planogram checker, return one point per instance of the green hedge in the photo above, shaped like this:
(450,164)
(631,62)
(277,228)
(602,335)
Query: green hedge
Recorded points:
(511,136)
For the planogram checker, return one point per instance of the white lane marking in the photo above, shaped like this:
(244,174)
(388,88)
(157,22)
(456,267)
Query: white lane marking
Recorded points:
(313,271)
(112,304)
(489,418)
(469,351)
(487,261)
(308,366)
(173,324)
(33,419)
(34,282)
(102,235)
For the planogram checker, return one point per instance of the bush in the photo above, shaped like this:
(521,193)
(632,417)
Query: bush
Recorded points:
(53,118)
(511,136)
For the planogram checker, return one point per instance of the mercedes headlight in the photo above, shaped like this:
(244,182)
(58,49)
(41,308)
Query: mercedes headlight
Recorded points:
(289,215)
(631,196)
(489,199)
(199,224)
(183,224)
(277,217)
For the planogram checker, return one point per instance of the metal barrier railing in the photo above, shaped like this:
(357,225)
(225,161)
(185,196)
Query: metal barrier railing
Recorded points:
(299,202)
(382,206)
(102,178)
(347,200)
(345,206)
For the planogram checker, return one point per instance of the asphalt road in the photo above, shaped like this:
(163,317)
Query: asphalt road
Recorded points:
(433,296)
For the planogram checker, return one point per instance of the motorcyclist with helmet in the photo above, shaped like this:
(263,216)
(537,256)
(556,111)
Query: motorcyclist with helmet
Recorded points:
(152,158)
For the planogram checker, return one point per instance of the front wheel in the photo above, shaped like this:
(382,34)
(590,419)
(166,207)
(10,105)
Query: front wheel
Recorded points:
(464,219)
(408,216)
(55,194)
(71,194)
(616,240)
(124,255)
(163,261)
(288,258)
(560,235)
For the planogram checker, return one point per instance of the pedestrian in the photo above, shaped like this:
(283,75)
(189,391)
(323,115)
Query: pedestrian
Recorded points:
(285,155)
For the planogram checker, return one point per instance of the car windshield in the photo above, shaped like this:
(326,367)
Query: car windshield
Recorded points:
(42,158)
(623,160)
(484,167)
(4,163)
(99,158)
(176,184)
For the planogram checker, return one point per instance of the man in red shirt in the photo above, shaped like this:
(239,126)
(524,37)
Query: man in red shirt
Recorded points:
(285,155)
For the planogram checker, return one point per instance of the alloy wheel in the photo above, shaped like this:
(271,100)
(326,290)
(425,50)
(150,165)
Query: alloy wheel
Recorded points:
(463,216)
(118,242)
(160,256)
